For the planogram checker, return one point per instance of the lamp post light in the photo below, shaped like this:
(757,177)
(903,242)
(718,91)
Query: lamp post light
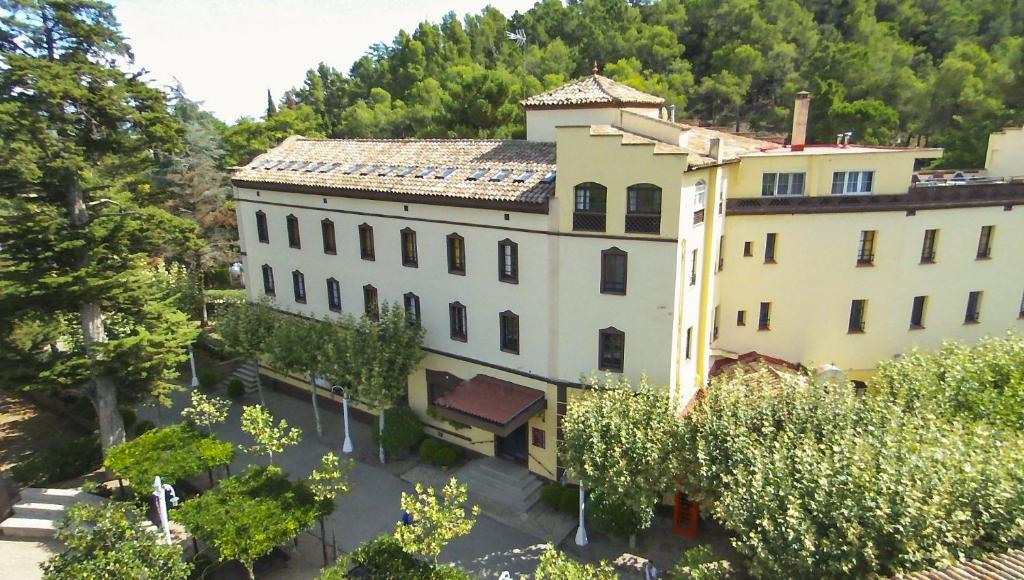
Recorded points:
(160,490)
(581,531)
(192,362)
(346,447)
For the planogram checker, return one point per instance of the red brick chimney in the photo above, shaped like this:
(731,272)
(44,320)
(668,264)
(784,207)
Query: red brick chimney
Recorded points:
(801,107)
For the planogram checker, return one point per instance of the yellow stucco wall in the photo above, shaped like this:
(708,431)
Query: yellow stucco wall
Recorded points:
(815,277)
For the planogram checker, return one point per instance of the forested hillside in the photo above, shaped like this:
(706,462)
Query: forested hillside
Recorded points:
(941,72)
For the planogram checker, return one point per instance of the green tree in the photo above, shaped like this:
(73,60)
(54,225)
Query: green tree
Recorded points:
(269,438)
(173,453)
(271,106)
(289,352)
(327,482)
(815,482)
(248,138)
(437,519)
(619,440)
(555,565)
(76,224)
(205,412)
(247,329)
(248,515)
(110,541)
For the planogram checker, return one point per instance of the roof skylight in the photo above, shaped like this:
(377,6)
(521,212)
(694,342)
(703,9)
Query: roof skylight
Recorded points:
(548,178)
(316,165)
(501,174)
(477,174)
(425,172)
(445,173)
(369,169)
(330,168)
(299,165)
(353,168)
(285,165)
(387,170)
(524,176)
(406,171)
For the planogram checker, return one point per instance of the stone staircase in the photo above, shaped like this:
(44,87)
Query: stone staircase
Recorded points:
(246,372)
(502,482)
(38,512)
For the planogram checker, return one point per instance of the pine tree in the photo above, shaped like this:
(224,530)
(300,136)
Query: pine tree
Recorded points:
(271,107)
(82,242)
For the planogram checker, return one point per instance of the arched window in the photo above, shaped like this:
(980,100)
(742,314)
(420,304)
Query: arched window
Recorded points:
(643,208)
(333,295)
(327,231)
(261,227)
(293,232)
(268,280)
(509,332)
(591,202)
(700,189)
(611,349)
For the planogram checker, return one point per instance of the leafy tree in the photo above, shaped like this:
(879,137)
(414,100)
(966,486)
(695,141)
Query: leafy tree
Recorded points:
(820,482)
(618,440)
(269,438)
(271,107)
(205,412)
(288,349)
(76,222)
(110,541)
(555,565)
(173,453)
(701,563)
(384,558)
(437,520)
(248,515)
(248,138)
(247,329)
(327,482)
(980,383)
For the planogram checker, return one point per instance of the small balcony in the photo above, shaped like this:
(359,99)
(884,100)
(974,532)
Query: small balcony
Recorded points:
(588,221)
(643,223)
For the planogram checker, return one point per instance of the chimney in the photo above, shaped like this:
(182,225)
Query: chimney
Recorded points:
(800,109)
(715,149)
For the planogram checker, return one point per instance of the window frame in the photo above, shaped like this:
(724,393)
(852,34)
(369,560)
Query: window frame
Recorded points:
(366,249)
(771,183)
(917,311)
(585,216)
(748,249)
(845,182)
(262,229)
(410,253)
(715,320)
(646,219)
(414,315)
(985,242)
(371,298)
(508,275)
(858,316)
(294,235)
(609,285)
(457,313)
(508,321)
(771,238)
(456,245)
(741,318)
(866,247)
(928,246)
(721,252)
(333,291)
(764,316)
(693,267)
(689,343)
(330,238)
(299,286)
(700,192)
(973,314)
(611,332)
(269,288)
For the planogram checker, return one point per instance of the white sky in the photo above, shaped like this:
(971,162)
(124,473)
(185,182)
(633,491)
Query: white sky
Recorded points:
(227,53)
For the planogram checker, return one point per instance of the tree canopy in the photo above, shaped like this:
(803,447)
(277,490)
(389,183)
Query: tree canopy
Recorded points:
(945,72)
(173,453)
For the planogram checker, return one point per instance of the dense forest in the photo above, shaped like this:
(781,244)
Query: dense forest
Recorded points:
(937,72)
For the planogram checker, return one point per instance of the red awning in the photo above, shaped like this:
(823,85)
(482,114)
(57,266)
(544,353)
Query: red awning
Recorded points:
(494,405)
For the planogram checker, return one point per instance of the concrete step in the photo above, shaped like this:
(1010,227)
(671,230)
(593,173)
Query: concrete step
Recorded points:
(65,497)
(31,509)
(503,482)
(17,527)
(486,480)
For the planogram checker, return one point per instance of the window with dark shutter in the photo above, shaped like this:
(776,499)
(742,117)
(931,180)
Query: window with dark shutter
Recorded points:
(299,286)
(370,305)
(456,254)
(412,307)
(366,242)
(457,321)
(509,328)
(327,232)
(917,312)
(928,247)
(985,242)
(261,227)
(857,308)
(333,295)
(294,241)
(769,248)
(268,280)
(689,342)
(973,308)
(764,317)
(613,271)
(410,258)
(611,350)
(866,249)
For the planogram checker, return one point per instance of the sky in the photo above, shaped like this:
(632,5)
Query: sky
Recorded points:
(227,53)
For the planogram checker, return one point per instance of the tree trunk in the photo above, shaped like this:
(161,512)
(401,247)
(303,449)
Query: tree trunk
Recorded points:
(323,541)
(381,438)
(204,316)
(103,395)
(259,383)
(316,409)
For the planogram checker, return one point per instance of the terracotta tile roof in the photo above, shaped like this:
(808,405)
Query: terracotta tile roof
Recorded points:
(511,170)
(754,362)
(490,399)
(592,90)
(1008,566)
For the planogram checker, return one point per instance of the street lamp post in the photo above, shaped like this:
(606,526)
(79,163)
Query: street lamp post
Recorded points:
(160,490)
(346,447)
(581,531)
(192,361)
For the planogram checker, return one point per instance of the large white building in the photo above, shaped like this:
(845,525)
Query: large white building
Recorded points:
(615,240)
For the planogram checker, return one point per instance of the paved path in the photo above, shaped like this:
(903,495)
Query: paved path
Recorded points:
(373,506)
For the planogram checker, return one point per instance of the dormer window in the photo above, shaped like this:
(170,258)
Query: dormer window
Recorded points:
(589,209)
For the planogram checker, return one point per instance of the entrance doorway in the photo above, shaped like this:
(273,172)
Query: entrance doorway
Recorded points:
(513,447)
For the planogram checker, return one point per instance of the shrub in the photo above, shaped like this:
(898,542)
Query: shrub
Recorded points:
(616,518)
(236,389)
(62,460)
(551,495)
(428,450)
(569,502)
(208,379)
(402,430)
(447,456)
(555,565)
(144,426)
(700,563)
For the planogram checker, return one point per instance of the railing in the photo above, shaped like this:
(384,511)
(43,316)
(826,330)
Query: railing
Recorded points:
(588,221)
(698,217)
(916,198)
(537,461)
(643,223)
